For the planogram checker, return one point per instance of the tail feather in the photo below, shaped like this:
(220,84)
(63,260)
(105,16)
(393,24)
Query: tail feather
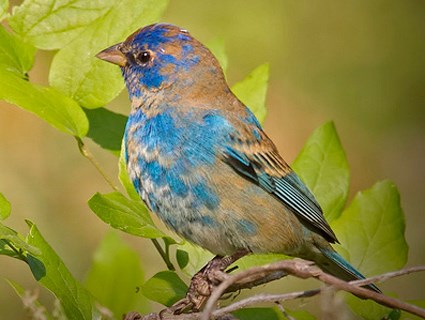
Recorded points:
(339,267)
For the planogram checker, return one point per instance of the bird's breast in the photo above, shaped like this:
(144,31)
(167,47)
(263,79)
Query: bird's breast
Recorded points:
(169,164)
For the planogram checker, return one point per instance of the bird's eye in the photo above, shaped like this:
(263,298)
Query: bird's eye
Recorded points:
(143,57)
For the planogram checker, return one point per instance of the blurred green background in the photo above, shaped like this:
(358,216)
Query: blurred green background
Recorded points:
(359,63)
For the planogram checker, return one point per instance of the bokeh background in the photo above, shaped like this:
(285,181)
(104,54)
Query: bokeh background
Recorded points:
(358,63)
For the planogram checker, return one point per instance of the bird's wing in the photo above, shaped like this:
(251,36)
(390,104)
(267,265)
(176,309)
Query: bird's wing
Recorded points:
(254,156)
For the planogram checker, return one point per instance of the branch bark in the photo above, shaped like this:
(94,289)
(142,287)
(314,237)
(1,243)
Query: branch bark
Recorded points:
(296,267)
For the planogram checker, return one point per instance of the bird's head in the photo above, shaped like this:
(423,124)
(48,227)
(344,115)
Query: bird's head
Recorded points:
(162,55)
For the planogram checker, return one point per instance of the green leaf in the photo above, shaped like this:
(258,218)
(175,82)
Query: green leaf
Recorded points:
(198,257)
(49,270)
(121,213)
(94,83)
(165,287)
(168,241)
(115,275)
(9,237)
(323,166)
(371,230)
(395,314)
(182,258)
(254,260)
(253,89)
(58,110)
(5,207)
(51,24)
(106,128)
(6,250)
(367,309)
(4,6)
(124,177)
(257,313)
(16,59)
(301,315)
(217,47)
(15,55)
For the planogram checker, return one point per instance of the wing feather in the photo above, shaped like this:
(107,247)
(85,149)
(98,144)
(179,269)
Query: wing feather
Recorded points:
(255,157)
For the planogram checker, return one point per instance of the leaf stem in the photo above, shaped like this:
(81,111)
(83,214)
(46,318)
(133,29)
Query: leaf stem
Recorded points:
(89,156)
(163,255)
(18,253)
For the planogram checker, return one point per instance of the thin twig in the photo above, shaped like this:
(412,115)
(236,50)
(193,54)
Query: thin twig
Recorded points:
(299,268)
(87,154)
(163,255)
(257,280)
(369,294)
(18,252)
(283,311)
(260,298)
(252,272)
(387,276)
(305,269)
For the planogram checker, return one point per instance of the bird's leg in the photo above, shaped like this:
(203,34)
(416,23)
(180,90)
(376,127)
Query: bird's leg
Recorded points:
(203,283)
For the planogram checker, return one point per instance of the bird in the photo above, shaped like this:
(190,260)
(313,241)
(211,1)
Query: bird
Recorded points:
(202,162)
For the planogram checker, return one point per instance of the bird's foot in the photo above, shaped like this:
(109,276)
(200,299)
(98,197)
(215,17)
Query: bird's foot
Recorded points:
(203,283)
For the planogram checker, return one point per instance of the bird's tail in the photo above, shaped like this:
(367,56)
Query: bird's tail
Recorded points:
(339,267)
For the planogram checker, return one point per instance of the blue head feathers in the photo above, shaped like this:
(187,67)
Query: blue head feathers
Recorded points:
(158,56)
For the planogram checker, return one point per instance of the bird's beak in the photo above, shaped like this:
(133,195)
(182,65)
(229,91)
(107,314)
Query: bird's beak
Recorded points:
(113,55)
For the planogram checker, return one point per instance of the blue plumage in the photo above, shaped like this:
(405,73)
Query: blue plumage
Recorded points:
(201,161)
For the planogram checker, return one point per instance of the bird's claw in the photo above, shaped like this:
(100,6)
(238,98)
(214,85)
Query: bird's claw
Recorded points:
(203,283)
(200,289)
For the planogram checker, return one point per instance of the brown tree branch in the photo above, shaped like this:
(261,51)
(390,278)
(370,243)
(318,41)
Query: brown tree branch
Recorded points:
(261,298)
(387,276)
(306,269)
(297,267)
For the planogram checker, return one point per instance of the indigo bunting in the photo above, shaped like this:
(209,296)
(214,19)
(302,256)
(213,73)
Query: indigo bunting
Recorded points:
(201,161)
